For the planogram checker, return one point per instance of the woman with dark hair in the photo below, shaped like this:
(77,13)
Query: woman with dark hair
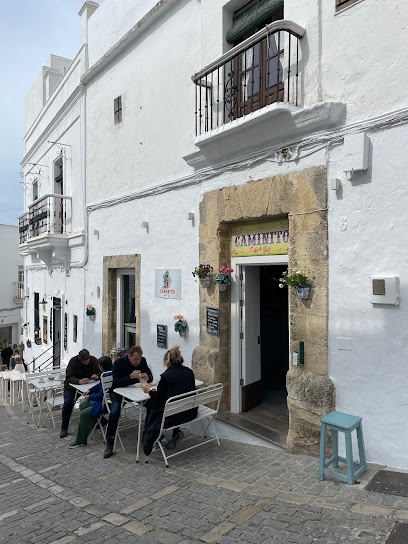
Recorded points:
(176,379)
(91,407)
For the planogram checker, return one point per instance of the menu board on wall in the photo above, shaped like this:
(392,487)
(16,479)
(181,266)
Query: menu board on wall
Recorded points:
(162,336)
(66,331)
(212,320)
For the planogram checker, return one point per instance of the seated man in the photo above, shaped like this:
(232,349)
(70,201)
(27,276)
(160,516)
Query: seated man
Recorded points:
(80,370)
(126,371)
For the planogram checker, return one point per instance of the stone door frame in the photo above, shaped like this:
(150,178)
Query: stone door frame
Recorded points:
(302,197)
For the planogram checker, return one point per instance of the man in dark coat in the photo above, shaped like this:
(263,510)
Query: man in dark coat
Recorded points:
(80,370)
(6,354)
(127,370)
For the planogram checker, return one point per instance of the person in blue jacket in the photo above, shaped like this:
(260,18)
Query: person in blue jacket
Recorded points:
(127,370)
(91,407)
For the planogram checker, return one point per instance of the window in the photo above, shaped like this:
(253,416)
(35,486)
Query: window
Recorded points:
(117,110)
(35,190)
(253,16)
(58,171)
(342,4)
(75,325)
(37,337)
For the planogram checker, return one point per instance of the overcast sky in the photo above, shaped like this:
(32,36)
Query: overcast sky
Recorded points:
(29,31)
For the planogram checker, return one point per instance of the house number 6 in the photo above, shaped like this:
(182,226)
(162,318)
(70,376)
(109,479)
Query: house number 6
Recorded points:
(344,223)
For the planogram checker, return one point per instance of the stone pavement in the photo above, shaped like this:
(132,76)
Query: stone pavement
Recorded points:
(233,493)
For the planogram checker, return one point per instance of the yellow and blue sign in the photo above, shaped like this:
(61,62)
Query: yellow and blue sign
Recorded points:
(250,240)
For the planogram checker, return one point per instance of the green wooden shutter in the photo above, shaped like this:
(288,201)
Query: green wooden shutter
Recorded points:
(246,22)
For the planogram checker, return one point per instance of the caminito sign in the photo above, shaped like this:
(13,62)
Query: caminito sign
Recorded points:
(271,238)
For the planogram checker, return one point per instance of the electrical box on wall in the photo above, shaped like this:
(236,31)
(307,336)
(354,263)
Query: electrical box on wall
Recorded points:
(384,290)
(356,147)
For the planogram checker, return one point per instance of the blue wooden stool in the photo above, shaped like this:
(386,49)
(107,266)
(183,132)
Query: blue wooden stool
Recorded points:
(346,423)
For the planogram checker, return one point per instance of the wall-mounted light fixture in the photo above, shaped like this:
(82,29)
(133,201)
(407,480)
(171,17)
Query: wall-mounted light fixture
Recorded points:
(145,225)
(43,302)
(96,233)
(190,216)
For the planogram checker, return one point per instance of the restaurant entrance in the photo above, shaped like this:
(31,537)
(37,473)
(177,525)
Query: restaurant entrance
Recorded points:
(263,353)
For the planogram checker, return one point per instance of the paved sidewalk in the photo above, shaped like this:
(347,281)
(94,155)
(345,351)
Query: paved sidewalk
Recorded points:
(228,494)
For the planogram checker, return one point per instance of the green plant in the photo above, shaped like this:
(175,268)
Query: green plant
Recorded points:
(180,325)
(294,279)
(223,275)
(202,271)
(90,310)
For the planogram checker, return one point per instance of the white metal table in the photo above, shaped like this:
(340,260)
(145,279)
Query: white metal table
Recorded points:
(134,393)
(42,386)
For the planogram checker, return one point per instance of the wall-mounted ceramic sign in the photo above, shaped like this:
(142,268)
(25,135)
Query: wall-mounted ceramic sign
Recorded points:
(167,283)
(162,336)
(212,321)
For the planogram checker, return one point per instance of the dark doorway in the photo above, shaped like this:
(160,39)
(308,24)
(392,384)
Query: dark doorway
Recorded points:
(274,337)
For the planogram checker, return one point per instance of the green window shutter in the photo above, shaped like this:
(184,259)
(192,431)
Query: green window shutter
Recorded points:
(246,22)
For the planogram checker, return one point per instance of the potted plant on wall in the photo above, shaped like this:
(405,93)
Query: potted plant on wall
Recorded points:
(28,343)
(180,325)
(90,311)
(223,278)
(298,280)
(203,272)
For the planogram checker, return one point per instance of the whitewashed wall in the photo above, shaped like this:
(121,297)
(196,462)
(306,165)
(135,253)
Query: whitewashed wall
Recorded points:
(10,313)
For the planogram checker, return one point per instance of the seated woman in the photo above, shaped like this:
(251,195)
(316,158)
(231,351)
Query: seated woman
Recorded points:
(91,407)
(177,379)
(18,364)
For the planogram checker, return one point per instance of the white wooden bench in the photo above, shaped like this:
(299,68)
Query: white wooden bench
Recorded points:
(194,399)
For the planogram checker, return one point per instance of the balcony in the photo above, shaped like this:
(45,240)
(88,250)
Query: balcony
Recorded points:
(45,230)
(18,292)
(254,94)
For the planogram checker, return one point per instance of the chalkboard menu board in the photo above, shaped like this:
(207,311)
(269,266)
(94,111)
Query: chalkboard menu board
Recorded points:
(66,331)
(212,322)
(162,336)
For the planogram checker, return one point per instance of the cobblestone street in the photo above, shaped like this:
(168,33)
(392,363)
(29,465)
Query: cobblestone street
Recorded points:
(228,494)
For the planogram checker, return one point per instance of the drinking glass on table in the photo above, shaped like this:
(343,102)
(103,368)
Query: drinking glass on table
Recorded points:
(143,380)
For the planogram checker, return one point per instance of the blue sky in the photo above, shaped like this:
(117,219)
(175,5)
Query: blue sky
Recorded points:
(29,31)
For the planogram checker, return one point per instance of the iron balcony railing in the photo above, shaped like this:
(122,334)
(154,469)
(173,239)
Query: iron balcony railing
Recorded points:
(260,71)
(50,214)
(23,227)
(18,290)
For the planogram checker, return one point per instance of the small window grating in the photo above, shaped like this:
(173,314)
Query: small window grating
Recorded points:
(342,4)
(117,110)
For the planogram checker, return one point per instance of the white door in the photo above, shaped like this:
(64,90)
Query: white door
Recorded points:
(250,337)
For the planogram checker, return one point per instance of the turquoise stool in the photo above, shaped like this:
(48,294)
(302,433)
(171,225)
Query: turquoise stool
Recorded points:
(346,423)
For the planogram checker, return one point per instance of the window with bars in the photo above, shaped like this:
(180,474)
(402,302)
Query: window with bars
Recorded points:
(342,4)
(117,110)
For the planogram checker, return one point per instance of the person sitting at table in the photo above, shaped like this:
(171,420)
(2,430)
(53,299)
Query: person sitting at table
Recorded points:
(18,364)
(80,370)
(177,379)
(91,407)
(127,370)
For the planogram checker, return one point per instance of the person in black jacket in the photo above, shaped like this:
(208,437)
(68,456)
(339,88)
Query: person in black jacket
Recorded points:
(127,370)
(80,370)
(177,379)
(6,354)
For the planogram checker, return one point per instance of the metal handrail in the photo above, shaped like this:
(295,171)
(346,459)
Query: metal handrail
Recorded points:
(36,202)
(41,354)
(286,25)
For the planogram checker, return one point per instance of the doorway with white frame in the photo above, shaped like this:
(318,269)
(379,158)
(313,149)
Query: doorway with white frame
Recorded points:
(260,343)
(126,298)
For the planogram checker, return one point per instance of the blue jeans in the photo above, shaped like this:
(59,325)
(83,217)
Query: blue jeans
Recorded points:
(116,404)
(69,401)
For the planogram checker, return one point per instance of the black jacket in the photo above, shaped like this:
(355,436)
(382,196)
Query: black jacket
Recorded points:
(6,354)
(174,381)
(77,370)
(122,369)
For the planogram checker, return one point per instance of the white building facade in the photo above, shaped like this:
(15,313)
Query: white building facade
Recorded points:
(11,286)
(186,132)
